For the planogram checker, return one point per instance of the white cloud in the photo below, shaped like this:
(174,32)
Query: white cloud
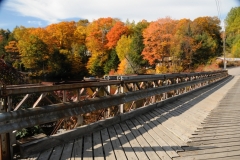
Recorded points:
(55,10)
(39,23)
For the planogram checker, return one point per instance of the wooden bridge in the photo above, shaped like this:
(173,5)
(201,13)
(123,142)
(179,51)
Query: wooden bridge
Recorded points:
(182,116)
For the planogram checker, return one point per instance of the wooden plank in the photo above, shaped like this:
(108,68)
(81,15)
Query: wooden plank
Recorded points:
(87,149)
(118,150)
(211,150)
(178,121)
(67,150)
(153,130)
(221,126)
(130,154)
(57,152)
(34,156)
(142,141)
(191,110)
(173,136)
(108,150)
(173,127)
(97,146)
(210,130)
(215,141)
(164,136)
(187,113)
(134,143)
(225,125)
(196,139)
(228,158)
(45,155)
(215,133)
(185,119)
(184,107)
(209,146)
(156,147)
(209,156)
(77,149)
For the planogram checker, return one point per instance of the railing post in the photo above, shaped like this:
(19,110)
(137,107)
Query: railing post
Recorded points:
(79,117)
(121,91)
(4,138)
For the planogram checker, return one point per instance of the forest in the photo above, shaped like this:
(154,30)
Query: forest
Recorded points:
(109,46)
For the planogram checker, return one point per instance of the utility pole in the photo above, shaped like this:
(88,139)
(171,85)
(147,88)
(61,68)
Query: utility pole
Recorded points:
(224,53)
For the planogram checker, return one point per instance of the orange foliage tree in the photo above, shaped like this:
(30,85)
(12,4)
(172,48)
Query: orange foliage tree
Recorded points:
(62,34)
(96,42)
(158,40)
(115,34)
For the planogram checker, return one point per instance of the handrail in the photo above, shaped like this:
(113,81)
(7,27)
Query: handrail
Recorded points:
(15,120)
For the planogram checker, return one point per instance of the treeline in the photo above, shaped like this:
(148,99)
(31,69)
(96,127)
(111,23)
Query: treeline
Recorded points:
(110,46)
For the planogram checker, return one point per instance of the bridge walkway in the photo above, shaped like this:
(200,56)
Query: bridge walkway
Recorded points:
(185,129)
(219,136)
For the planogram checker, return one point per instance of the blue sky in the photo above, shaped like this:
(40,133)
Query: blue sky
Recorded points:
(40,13)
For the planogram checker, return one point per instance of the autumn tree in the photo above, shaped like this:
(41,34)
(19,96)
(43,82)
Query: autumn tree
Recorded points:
(233,31)
(96,42)
(137,46)
(115,34)
(206,33)
(62,34)
(183,45)
(158,40)
(5,37)
(112,62)
(123,49)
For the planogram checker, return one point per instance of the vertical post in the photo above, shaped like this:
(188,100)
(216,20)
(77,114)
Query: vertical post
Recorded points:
(121,105)
(12,135)
(154,97)
(224,54)
(64,96)
(4,138)
(79,117)
(109,109)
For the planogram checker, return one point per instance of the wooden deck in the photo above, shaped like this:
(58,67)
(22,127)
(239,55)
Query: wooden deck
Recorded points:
(194,127)
(219,137)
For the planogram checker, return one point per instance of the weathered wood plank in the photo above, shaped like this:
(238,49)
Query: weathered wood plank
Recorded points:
(209,146)
(34,156)
(208,151)
(118,150)
(170,125)
(134,143)
(209,155)
(97,146)
(215,141)
(108,150)
(165,137)
(67,151)
(184,119)
(186,113)
(216,133)
(156,147)
(215,137)
(173,136)
(178,122)
(45,155)
(57,152)
(77,149)
(88,150)
(153,130)
(130,154)
(144,144)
